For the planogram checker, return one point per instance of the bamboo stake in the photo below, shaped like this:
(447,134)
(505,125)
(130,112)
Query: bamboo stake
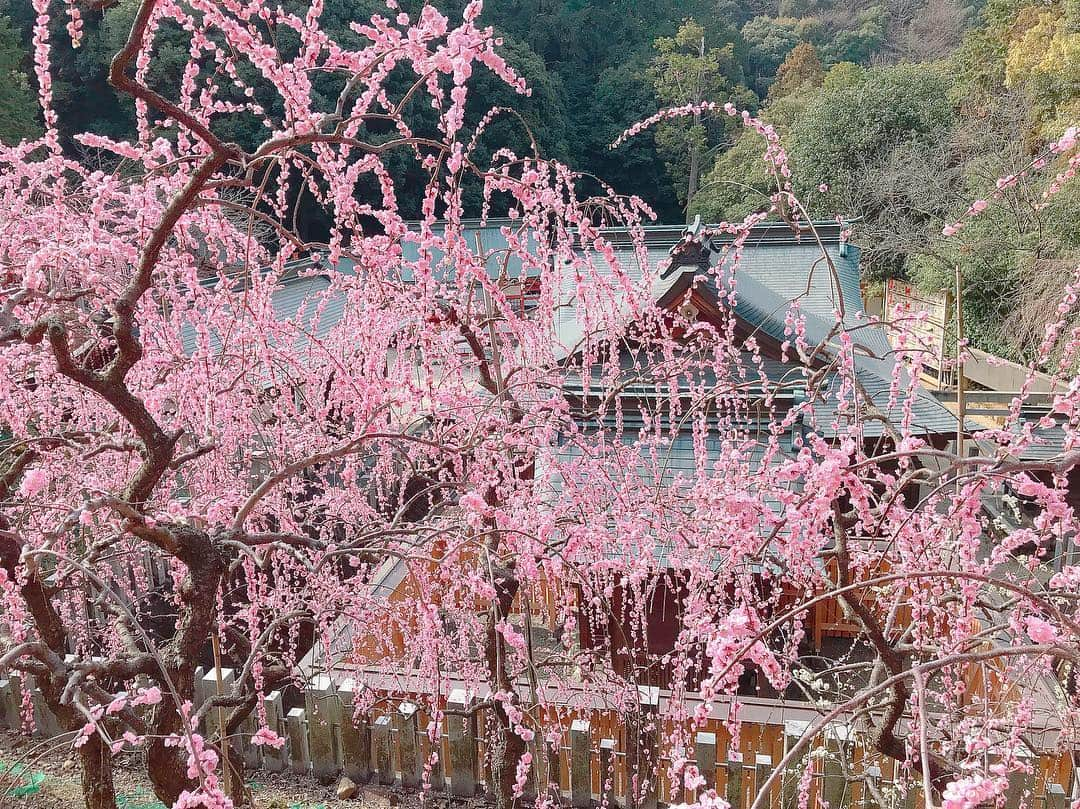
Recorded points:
(227,769)
(959,365)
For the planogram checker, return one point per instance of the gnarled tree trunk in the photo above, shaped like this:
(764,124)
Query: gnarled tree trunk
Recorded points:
(98,788)
(197,595)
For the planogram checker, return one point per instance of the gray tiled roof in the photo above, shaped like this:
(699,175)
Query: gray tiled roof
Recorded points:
(487,239)
(568,329)
(1049,442)
(304,302)
(774,270)
(771,276)
(309,305)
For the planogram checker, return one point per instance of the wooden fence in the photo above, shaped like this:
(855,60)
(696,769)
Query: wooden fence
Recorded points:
(595,765)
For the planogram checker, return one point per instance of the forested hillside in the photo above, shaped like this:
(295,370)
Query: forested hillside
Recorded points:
(902,148)
(904,106)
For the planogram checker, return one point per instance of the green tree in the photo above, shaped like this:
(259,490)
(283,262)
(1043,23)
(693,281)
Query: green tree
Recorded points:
(624,94)
(844,74)
(851,124)
(687,71)
(18,108)
(588,61)
(859,42)
(740,181)
(1043,57)
(801,70)
(858,136)
(771,40)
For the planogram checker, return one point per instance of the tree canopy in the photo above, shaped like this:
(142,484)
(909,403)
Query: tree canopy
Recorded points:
(900,148)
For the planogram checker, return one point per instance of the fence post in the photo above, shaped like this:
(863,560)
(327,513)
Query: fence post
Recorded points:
(552,770)
(461,733)
(298,741)
(46,722)
(275,759)
(794,730)
(37,704)
(142,682)
(13,700)
(705,758)
(641,755)
(607,773)
(9,715)
(1055,797)
(209,689)
(580,760)
(200,696)
(355,735)
(1021,785)
(762,770)
(323,720)
(734,791)
(228,680)
(406,721)
(427,747)
(835,787)
(910,798)
(380,750)
(253,754)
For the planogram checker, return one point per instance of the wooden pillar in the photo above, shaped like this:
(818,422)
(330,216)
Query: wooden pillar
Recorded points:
(607,772)
(734,791)
(405,720)
(793,732)
(355,735)
(705,758)
(461,733)
(299,757)
(275,759)
(580,761)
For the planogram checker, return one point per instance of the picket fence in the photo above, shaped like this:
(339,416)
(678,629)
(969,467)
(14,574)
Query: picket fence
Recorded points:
(391,748)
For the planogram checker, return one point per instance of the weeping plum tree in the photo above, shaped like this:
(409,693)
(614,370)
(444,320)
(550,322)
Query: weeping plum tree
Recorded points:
(168,408)
(159,407)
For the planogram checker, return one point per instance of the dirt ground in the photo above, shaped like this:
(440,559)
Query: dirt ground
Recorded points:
(40,774)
